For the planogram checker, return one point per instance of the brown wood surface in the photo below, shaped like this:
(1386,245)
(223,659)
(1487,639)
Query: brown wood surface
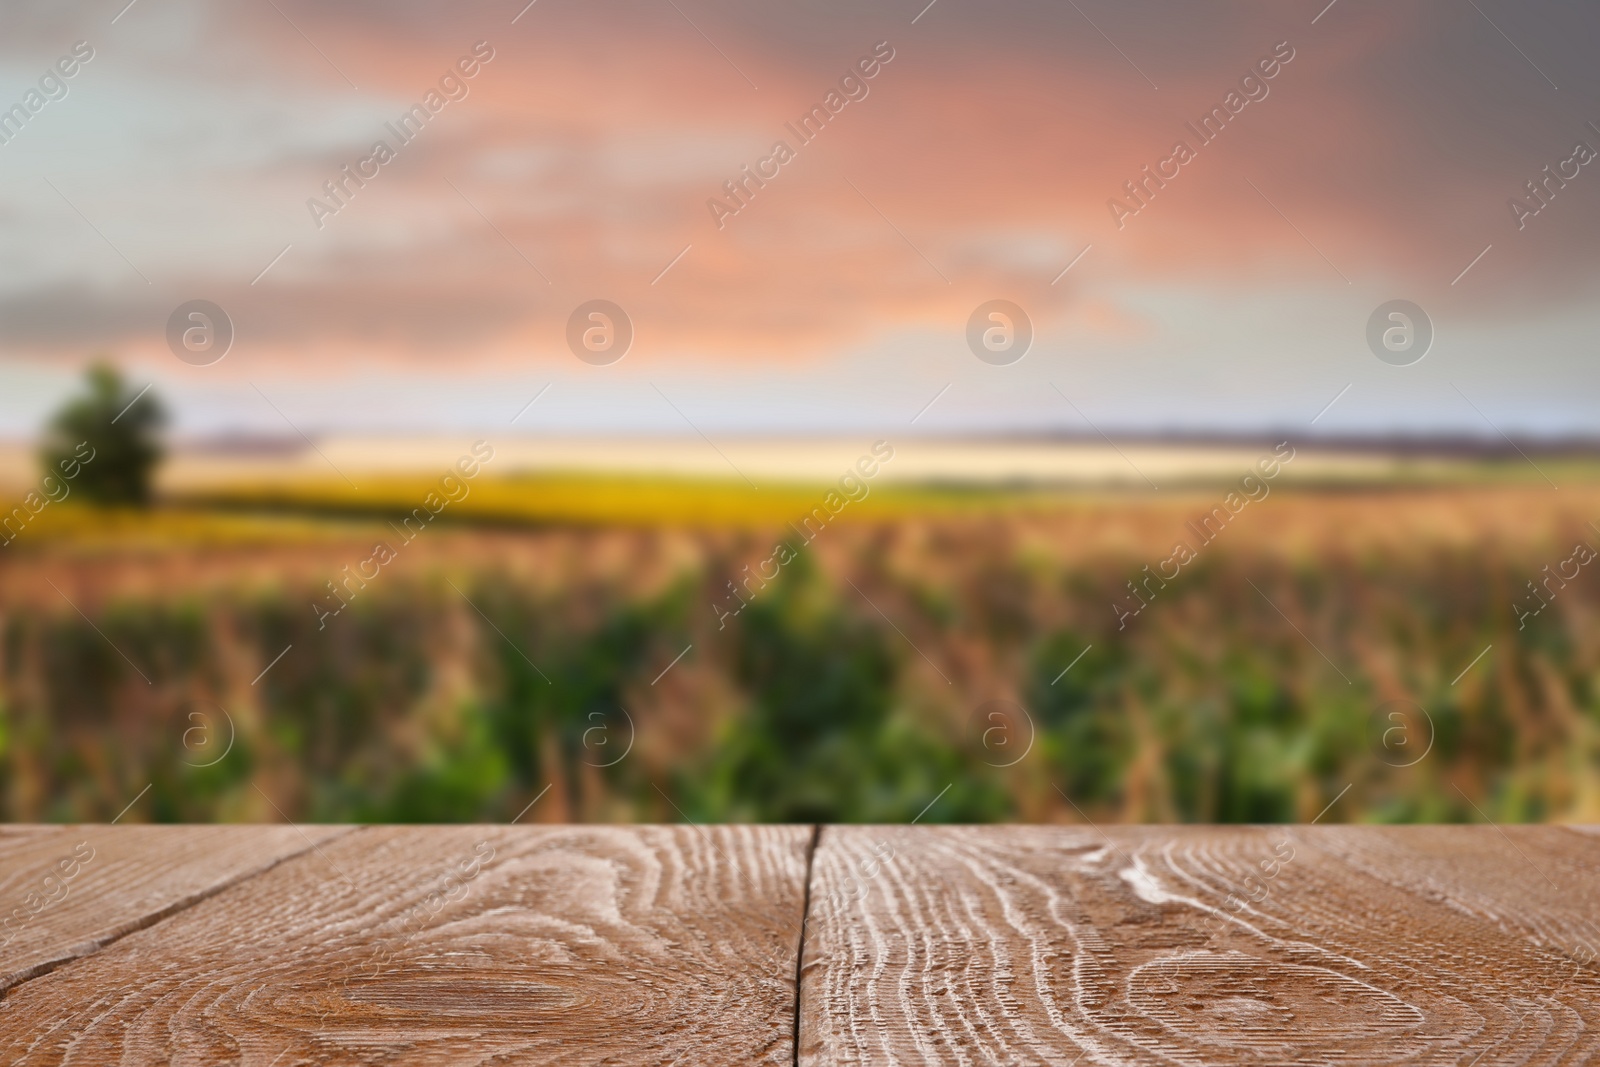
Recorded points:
(68,891)
(453,945)
(666,946)
(1039,945)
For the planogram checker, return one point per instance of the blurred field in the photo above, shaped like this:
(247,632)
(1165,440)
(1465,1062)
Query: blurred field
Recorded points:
(530,638)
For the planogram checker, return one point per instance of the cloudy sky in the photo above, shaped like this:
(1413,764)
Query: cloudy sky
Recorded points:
(979,163)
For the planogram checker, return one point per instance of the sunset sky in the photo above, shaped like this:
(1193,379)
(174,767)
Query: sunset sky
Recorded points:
(1377,163)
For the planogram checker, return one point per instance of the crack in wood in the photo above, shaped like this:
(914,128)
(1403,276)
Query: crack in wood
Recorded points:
(85,949)
(800,950)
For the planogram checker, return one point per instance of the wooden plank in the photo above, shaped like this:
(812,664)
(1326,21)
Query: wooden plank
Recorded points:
(454,945)
(1263,945)
(67,891)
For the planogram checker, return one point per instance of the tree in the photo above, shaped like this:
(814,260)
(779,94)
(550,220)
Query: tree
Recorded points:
(123,430)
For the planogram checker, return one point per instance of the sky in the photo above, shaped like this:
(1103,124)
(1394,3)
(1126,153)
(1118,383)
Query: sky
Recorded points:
(983,159)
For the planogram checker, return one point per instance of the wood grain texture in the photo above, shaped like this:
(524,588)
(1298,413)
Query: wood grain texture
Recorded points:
(454,945)
(66,891)
(1340,945)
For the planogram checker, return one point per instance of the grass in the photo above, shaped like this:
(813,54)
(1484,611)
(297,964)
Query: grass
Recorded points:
(846,689)
(75,527)
(589,499)
(314,508)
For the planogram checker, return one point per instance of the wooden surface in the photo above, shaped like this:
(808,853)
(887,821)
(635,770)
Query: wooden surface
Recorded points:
(1028,945)
(69,891)
(563,945)
(659,946)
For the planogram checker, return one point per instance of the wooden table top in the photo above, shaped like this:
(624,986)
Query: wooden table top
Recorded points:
(272,946)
